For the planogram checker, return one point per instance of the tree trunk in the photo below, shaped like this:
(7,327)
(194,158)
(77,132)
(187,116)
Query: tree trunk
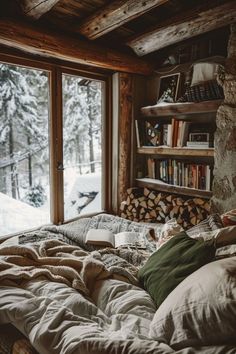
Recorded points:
(29,163)
(91,152)
(12,166)
(78,154)
(90,132)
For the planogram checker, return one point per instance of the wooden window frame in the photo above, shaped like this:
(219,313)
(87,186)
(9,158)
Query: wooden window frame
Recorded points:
(55,70)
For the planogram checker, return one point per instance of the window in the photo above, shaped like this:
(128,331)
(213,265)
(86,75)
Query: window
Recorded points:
(24,148)
(82,145)
(52,139)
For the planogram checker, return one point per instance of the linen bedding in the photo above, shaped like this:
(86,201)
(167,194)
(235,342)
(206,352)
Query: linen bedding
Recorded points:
(70,298)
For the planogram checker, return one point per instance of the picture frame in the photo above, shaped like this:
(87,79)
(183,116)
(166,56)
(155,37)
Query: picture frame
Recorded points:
(168,88)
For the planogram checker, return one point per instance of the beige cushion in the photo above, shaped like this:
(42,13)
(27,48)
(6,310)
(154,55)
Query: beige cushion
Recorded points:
(201,310)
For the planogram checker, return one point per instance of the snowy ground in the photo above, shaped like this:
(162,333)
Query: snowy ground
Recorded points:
(17,216)
(84,183)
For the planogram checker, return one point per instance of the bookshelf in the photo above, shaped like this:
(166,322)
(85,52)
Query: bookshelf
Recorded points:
(158,185)
(202,158)
(175,151)
(180,108)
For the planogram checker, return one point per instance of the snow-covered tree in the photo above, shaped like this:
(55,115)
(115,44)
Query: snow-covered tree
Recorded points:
(82,120)
(75,119)
(22,127)
(94,115)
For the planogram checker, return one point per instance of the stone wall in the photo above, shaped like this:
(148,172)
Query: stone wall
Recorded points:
(224,186)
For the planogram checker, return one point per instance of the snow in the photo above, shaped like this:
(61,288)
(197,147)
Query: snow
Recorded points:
(83,183)
(16,216)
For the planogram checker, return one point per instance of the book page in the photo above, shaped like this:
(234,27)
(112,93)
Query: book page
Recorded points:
(100,237)
(131,239)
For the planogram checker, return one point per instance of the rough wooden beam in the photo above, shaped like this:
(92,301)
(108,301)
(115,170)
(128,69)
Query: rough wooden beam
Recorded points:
(125,128)
(40,41)
(115,15)
(36,8)
(182,29)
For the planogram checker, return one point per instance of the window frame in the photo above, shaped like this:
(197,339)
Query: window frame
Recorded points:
(55,71)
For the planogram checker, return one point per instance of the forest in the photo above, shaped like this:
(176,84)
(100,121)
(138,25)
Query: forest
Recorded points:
(25,136)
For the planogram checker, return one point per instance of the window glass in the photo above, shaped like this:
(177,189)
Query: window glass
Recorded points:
(82,145)
(24,148)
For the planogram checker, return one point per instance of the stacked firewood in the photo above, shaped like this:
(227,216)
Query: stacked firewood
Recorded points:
(145,205)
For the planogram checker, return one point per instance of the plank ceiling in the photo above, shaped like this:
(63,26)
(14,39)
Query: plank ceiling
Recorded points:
(139,28)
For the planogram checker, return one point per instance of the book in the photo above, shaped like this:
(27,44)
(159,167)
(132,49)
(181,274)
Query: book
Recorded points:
(185,133)
(169,135)
(179,134)
(165,134)
(137,134)
(175,135)
(104,237)
(198,144)
(151,168)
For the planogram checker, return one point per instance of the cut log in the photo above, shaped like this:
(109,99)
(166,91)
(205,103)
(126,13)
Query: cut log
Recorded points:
(184,26)
(146,192)
(150,203)
(152,195)
(142,211)
(123,206)
(114,15)
(128,200)
(143,204)
(130,191)
(198,201)
(153,213)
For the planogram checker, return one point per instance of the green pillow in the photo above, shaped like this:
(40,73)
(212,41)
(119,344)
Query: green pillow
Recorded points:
(172,263)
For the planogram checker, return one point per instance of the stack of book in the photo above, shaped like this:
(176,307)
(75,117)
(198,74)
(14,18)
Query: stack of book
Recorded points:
(179,173)
(176,133)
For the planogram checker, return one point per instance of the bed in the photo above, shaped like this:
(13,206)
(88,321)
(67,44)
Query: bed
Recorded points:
(59,295)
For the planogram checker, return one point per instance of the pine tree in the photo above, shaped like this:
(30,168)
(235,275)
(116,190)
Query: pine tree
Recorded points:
(75,120)
(82,120)
(21,125)
(94,114)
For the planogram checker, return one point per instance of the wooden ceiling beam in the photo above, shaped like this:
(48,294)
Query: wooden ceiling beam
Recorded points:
(36,8)
(115,15)
(40,41)
(189,25)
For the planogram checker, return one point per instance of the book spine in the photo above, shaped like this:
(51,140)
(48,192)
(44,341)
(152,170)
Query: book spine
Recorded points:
(137,134)
(208,178)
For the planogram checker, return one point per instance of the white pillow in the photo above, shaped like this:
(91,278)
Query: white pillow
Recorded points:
(201,310)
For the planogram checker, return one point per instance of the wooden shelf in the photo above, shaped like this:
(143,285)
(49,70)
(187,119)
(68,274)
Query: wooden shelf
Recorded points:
(164,187)
(175,151)
(181,108)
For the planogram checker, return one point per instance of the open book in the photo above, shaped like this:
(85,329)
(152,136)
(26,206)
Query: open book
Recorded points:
(103,237)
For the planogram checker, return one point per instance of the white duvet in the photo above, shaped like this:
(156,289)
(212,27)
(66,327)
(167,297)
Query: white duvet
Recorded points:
(67,301)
